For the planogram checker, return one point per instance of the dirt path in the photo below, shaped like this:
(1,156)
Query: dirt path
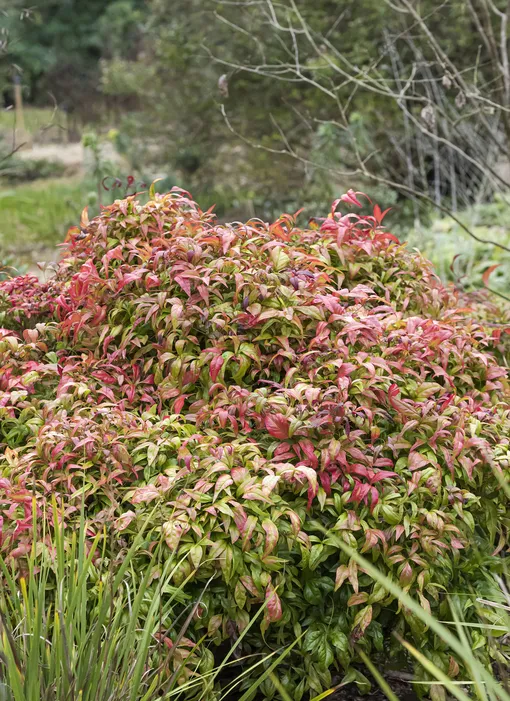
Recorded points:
(68,154)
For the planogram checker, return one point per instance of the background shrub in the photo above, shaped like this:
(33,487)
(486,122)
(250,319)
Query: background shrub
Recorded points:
(20,171)
(265,395)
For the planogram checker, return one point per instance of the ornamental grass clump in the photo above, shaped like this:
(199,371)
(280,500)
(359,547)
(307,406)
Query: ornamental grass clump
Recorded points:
(267,395)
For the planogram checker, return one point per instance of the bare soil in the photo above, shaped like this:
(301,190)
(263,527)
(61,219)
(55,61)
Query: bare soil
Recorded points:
(402,690)
(71,155)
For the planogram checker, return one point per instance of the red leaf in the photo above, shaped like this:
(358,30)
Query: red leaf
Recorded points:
(152,280)
(488,273)
(382,475)
(359,492)
(307,446)
(325,479)
(179,403)
(378,215)
(184,283)
(277,425)
(215,367)
(452,264)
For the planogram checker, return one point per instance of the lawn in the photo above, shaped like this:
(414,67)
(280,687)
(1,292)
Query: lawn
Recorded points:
(39,213)
(36,119)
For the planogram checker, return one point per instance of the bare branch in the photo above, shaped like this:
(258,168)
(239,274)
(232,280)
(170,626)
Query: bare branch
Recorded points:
(456,152)
(369,175)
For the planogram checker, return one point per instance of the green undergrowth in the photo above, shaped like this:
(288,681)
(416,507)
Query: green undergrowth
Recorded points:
(39,213)
(464,259)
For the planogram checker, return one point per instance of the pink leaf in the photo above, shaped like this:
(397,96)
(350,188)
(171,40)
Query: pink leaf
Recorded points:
(124,520)
(458,442)
(274,605)
(271,532)
(356,599)
(361,622)
(172,532)
(21,550)
(223,482)
(342,573)
(249,585)
(406,575)
(145,494)
(350,198)
(184,283)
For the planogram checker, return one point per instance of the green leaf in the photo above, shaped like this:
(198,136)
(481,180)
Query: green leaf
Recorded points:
(152,454)
(315,556)
(240,595)
(312,593)
(280,259)
(339,640)
(324,653)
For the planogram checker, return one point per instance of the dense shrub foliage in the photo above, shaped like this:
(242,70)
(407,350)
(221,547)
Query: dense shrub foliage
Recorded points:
(266,395)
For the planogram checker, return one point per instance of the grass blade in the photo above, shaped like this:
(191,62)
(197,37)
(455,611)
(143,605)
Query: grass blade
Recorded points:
(381,682)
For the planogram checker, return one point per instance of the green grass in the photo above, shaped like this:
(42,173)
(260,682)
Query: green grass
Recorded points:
(39,213)
(455,635)
(36,119)
(82,627)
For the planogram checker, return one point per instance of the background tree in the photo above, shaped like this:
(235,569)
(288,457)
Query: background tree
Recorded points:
(260,106)
(57,47)
(412,98)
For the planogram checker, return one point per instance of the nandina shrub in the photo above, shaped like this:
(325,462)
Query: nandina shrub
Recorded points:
(266,395)
(25,301)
